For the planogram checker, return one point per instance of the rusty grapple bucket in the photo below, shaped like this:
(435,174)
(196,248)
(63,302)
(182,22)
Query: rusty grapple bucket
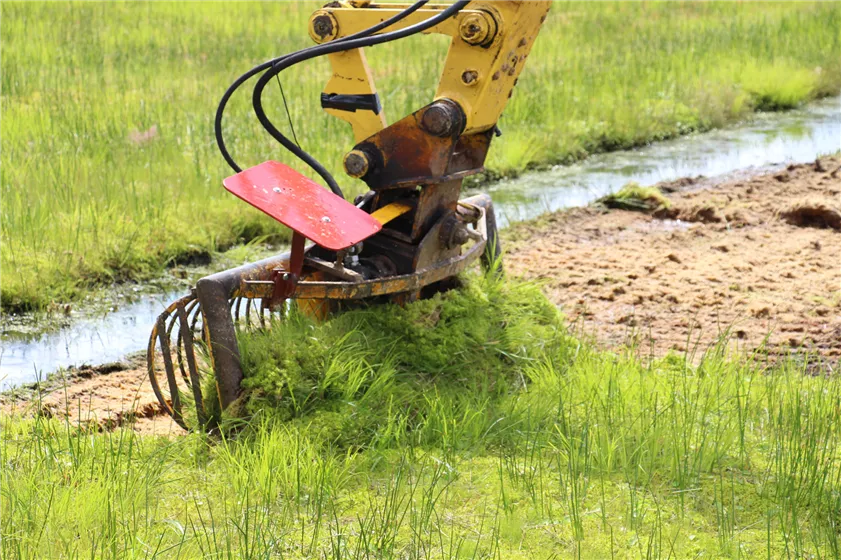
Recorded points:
(340,253)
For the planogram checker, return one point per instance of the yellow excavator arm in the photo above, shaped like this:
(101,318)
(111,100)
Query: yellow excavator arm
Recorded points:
(490,42)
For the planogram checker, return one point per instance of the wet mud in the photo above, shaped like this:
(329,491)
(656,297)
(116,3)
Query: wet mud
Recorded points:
(95,398)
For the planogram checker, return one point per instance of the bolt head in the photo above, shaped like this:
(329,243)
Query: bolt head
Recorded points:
(475,29)
(356,163)
(469,77)
(439,120)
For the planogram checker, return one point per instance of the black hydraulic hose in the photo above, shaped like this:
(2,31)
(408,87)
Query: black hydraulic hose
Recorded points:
(329,48)
(220,141)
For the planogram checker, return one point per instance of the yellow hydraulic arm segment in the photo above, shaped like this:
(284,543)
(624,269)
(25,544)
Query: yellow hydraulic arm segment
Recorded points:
(490,43)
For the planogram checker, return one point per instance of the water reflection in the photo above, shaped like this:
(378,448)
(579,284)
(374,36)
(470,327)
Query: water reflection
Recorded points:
(88,340)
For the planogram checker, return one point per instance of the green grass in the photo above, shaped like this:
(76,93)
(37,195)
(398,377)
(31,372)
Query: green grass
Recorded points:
(633,196)
(109,171)
(377,436)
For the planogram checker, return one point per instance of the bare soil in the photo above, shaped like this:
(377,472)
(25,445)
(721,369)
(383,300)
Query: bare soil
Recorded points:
(99,398)
(757,259)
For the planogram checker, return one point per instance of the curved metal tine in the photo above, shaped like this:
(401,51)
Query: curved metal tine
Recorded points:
(196,315)
(179,352)
(153,376)
(189,307)
(192,307)
(170,373)
(180,359)
(187,337)
(248,312)
(251,320)
(238,300)
(262,313)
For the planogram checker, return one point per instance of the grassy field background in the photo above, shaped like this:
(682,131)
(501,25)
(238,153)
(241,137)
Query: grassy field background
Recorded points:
(471,425)
(109,171)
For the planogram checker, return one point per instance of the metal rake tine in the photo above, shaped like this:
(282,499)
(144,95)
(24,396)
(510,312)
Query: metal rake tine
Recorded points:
(236,309)
(187,337)
(151,370)
(179,351)
(261,314)
(170,373)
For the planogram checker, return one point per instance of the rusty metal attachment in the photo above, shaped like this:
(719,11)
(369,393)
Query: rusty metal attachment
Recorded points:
(193,353)
(402,240)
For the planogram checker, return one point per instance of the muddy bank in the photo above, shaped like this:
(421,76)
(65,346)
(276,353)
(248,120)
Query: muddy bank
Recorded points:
(96,398)
(759,258)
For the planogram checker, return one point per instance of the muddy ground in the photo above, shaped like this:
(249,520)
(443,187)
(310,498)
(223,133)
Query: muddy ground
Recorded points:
(757,258)
(96,398)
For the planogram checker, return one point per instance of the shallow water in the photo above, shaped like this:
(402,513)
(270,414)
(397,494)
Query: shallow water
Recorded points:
(773,138)
(93,338)
(777,138)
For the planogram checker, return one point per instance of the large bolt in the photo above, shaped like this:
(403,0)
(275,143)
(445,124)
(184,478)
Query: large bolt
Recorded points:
(323,26)
(356,163)
(440,119)
(453,232)
(477,29)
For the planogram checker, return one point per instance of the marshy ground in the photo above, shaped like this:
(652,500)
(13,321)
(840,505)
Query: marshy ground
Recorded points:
(480,423)
(108,156)
(753,259)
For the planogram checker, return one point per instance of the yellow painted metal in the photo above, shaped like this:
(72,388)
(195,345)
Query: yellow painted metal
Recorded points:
(481,79)
(352,20)
(352,76)
(490,43)
(390,212)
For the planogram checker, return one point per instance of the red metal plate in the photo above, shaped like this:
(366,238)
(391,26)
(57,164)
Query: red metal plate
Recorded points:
(302,205)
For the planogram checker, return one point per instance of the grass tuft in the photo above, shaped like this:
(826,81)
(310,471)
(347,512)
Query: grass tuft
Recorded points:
(386,366)
(632,196)
(779,86)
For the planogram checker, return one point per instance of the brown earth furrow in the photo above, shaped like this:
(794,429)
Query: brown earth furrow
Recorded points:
(755,258)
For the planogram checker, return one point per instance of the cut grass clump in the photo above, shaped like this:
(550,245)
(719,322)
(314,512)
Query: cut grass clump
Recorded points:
(635,197)
(359,375)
